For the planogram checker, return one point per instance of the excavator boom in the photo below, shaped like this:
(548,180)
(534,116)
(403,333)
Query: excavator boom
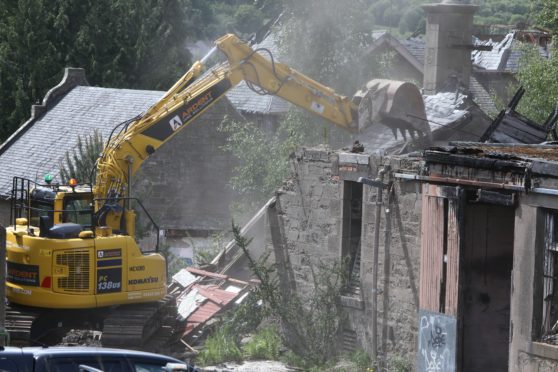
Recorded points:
(190,97)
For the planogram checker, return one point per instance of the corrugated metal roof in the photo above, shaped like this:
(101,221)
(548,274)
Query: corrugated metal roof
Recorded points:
(189,303)
(184,278)
(198,311)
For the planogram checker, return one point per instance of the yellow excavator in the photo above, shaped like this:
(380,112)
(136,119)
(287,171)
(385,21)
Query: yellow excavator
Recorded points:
(73,246)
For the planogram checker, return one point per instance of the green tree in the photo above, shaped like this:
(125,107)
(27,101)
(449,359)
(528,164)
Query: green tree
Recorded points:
(547,14)
(411,20)
(538,76)
(80,162)
(125,43)
(264,159)
(248,18)
(326,39)
(27,60)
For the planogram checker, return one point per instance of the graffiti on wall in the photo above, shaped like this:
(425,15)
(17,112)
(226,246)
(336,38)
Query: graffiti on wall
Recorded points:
(436,342)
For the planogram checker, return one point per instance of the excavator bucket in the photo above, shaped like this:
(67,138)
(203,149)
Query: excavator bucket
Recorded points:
(395,104)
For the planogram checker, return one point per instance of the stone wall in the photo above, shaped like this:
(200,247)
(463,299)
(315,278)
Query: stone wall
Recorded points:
(310,206)
(5,212)
(529,362)
(184,185)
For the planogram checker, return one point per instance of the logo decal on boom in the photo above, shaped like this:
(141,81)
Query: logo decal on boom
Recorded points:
(175,122)
(162,129)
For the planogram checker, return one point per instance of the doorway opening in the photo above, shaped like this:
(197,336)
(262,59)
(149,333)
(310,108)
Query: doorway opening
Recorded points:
(487,261)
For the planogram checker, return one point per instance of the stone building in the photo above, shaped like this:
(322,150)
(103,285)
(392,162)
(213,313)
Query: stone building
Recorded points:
(185,196)
(490,61)
(452,249)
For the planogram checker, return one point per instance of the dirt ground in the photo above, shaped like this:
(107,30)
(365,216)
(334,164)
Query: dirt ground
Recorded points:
(251,366)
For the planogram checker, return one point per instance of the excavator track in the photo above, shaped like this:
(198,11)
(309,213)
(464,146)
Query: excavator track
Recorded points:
(146,326)
(19,323)
(134,325)
(36,326)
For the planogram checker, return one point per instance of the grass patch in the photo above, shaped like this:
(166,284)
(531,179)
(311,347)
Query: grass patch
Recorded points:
(220,347)
(265,344)
(399,364)
(361,360)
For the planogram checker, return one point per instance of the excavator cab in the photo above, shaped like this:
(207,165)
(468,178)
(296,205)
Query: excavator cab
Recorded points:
(51,211)
(57,256)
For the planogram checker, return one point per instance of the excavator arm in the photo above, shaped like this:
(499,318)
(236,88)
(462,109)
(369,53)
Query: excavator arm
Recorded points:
(398,105)
(190,97)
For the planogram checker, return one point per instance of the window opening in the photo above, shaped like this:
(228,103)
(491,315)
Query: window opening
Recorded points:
(549,331)
(352,241)
(78,210)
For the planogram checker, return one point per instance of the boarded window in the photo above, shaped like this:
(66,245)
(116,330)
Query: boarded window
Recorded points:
(439,270)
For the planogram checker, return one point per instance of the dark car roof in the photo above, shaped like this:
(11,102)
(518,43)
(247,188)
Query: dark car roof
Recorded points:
(86,350)
(25,359)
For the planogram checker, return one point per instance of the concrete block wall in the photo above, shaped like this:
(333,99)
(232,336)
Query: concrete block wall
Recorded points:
(311,206)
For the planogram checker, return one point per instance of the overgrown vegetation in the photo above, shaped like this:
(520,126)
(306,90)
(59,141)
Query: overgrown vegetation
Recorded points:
(264,158)
(308,326)
(537,74)
(361,360)
(221,346)
(204,256)
(265,344)
(79,163)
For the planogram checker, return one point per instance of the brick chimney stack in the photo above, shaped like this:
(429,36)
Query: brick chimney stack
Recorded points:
(449,30)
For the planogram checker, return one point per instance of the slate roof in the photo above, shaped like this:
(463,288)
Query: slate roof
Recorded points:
(450,116)
(481,96)
(444,108)
(247,101)
(42,146)
(504,56)
(415,46)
